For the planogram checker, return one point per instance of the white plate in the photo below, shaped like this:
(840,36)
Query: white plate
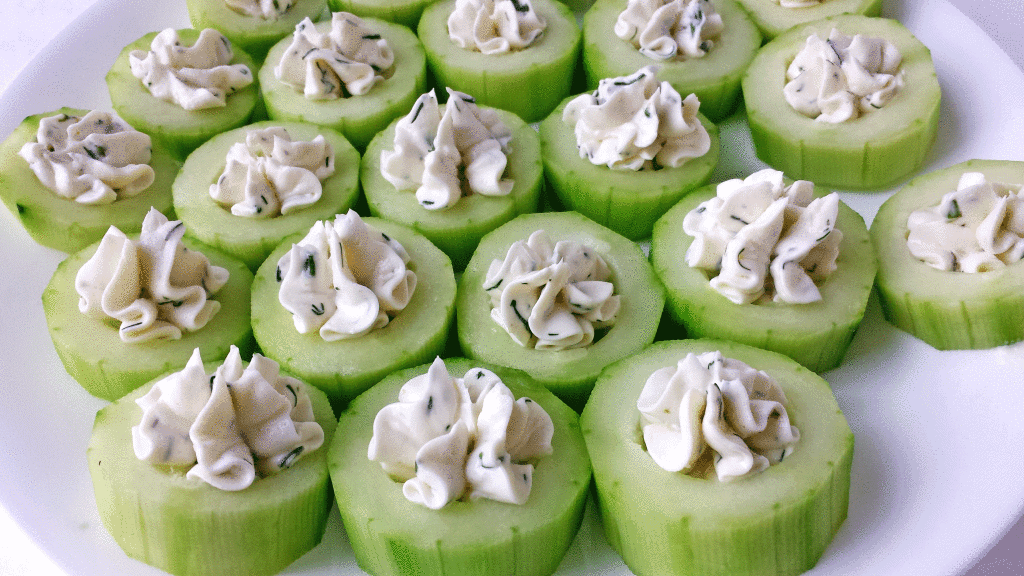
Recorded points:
(938,474)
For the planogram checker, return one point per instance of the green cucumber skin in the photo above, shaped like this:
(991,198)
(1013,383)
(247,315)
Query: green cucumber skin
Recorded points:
(392,536)
(252,239)
(64,224)
(458,230)
(345,368)
(93,353)
(358,118)
(404,12)
(714,78)
(180,131)
(570,374)
(626,201)
(816,335)
(947,310)
(870,153)
(189,528)
(778,522)
(252,34)
(529,83)
(772,19)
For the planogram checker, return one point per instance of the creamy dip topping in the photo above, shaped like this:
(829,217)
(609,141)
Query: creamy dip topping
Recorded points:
(844,77)
(551,297)
(344,279)
(154,286)
(670,29)
(231,427)
(760,225)
(446,157)
(93,159)
(271,174)
(798,3)
(718,408)
(636,123)
(977,228)
(265,9)
(463,438)
(350,59)
(193,77)
(495,26)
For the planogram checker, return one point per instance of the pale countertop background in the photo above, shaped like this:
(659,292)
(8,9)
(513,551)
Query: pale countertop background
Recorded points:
(26,27)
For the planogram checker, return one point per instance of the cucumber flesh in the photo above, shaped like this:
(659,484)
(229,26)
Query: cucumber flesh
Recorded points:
(252,34)
(404,12)
(774,19)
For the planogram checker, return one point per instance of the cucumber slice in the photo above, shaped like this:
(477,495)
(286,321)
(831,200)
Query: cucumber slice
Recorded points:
(253,34)
(344,368)
(108,368)
(627,201)
(948,310)
(529,83)
(179,130)
(816,334)
(773,19)
(714,77)
(391,535)
(358,118)
(871,152)
(189,528)
(403,12)
(570,374)
(777,522)
(64,224)
(252,239)
(458,229)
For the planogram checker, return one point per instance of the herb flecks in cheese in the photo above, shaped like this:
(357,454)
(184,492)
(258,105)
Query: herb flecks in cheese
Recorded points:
(670,30)
(495,26)
(264,9)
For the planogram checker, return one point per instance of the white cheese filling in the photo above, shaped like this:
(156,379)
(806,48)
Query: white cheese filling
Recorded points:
(670,29)
(495,26)
(264,9)
(798,3)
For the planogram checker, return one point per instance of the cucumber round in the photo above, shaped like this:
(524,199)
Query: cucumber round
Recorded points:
(457,230)
(570,374)
(777,522)
(189,528)
(816,334)
(62,223)
(94,354)
(252,239)
(358,118)
(773,19)
(404,12)
(346,367)
(391,535)
(529,82)
(627,201)
(714,77)
(871,152)
(179,130)
(253,34)
(948,310)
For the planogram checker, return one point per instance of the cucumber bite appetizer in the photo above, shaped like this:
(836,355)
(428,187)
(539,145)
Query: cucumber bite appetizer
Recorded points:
(626,153)
(125,310)
(517,55)
(459,467)
(453,172)
(849,101)
(774,17)
(763,262)
(950,245)
(351,302)
(218,470)
(717,459)
(243,191)
(351,74)
(253,25)
(699,46)
(70,174)
(403,12)
(183,86)
(559,297)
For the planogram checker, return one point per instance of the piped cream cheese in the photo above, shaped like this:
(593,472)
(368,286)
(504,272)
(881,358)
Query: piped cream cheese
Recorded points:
(759,237)
(344,279)
(231,427)
(463,438)
(495,26)
(637,123)
(670,29)
(264,9)
(798,3)
(93,159)
(444,157)
(193,77)
(154,286)
(976,228)
(710,406)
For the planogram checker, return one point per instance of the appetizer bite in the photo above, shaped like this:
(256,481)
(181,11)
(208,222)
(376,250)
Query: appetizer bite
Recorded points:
(253,25)
(773,17)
